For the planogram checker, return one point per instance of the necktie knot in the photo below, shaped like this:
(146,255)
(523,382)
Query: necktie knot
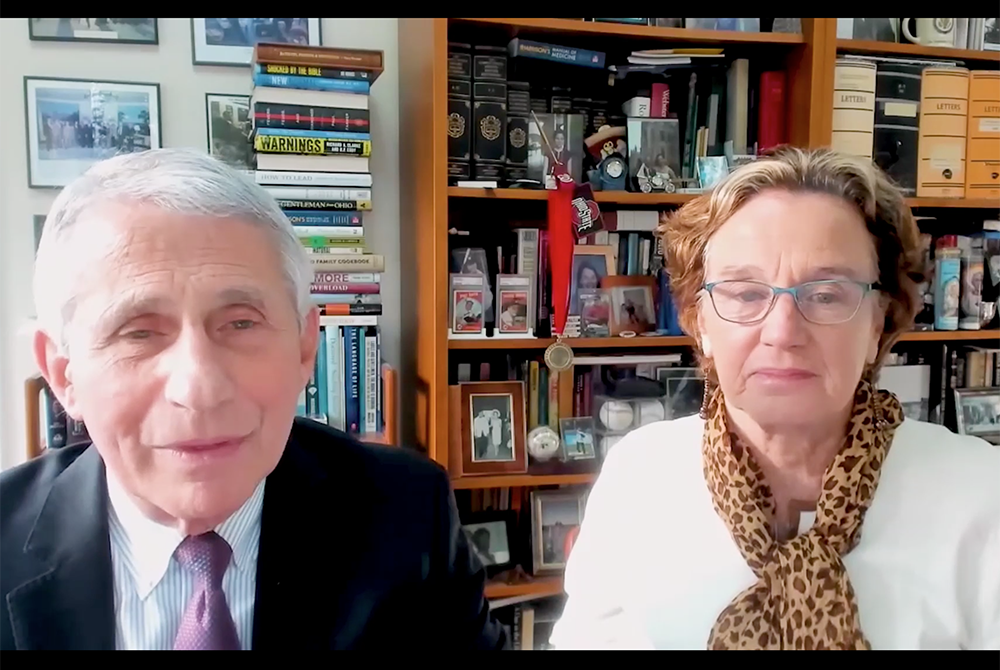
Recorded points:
(206,556)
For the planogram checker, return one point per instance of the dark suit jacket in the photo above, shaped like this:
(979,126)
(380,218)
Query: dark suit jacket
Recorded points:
(360,547)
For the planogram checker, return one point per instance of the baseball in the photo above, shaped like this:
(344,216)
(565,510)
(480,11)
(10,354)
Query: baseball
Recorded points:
(617,415)
(650,411)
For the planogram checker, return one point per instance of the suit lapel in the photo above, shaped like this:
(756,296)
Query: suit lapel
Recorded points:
(70,603)
(308,533)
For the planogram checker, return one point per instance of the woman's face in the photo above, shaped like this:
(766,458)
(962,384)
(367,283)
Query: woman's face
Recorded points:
(588,278)
(785,370)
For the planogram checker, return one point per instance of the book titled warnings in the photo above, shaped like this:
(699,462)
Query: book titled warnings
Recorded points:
(311,146)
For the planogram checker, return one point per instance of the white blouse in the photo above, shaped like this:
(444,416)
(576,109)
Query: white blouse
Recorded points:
(654,565)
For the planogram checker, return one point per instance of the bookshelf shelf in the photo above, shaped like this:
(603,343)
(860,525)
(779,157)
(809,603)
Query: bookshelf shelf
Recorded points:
(678,35)
(614,197)
(538,588)
(956,203)
(577,343)
(512,481)
(976,57)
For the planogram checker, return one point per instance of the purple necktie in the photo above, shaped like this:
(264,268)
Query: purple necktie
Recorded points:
(207,623)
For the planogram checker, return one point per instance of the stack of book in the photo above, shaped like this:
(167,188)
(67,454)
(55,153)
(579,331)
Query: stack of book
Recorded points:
(312,141)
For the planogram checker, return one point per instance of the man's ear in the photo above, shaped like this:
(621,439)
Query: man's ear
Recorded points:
(53,363)
(309,344)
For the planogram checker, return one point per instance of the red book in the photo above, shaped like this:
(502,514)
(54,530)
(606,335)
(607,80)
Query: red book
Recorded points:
(659,103)
(771,126)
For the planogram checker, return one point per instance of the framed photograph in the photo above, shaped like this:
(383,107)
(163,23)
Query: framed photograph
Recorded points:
(632,310)
(555,138)
(493,432)
(991,34)
(121,31)
(555,522)
(74,123)
(685,390)
(229,129)
(977,411)
(874,30)
(467,294)
(231,41)
(595,312)
(591,264)
(491,536)
(515,305)
(578,438)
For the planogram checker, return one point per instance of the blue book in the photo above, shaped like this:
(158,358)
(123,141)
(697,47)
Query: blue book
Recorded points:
(311,83)
(352,379)
(321,367)
(309,217)
(556,53)
(318,134)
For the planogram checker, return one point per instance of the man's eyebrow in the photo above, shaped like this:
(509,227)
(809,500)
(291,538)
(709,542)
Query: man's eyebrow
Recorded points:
(128,307)
(243,295)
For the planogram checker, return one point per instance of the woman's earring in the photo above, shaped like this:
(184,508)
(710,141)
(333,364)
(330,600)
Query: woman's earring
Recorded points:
(706,398)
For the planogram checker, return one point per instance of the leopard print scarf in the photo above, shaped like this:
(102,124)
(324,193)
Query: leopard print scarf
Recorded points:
(803,598)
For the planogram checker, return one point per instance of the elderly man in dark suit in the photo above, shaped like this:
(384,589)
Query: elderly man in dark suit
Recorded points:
(175,321)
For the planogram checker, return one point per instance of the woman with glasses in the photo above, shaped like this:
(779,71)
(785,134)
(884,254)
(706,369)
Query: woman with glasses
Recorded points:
(800,510)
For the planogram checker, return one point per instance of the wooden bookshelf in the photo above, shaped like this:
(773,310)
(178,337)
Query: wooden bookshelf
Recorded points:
(808,60)
(512,481)
(977,58)
(540,587)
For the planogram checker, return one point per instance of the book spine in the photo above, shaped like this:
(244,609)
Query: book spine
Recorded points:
(352,299)
(271,115)
(342,205)
(352,352)
(982,178)
(372,262)
(312,83)
(339,179)
(329,308)
(312,394)
(555,53)
(324,389)
(323,241)
(944,109)
(322,277)
(315,288)
(316,134)
(306,217)
(282,54)
(307,231)
(307,193)
(854,107)
(311,71)
(371,381)
(311,146)
(362,380)
(335,387)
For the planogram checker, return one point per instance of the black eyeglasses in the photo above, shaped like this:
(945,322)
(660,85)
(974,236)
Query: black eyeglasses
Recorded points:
(825,303)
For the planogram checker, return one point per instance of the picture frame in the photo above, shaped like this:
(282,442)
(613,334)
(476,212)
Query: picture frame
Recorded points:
(684,391)
(977,413)
(991,34)
(67,132)
(493,428)
(228,129)
(467,306)
(632,308)
(578,438)
(218,42)
(556,517)
(595,312)
(492,538)
(108,31)
(592,263)
(515,307)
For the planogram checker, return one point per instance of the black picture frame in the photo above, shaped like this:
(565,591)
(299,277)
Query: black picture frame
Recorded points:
(208,130)
(243,58)
(35,37)
(492,519)
(32,138)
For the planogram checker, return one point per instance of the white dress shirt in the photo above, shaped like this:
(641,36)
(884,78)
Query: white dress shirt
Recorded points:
(152,590)
(654,565)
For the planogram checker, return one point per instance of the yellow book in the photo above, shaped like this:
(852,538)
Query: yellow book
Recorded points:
(982,177)
(853,107)
(944,109)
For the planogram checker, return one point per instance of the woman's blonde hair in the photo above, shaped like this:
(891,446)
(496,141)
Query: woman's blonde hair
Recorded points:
(855,180)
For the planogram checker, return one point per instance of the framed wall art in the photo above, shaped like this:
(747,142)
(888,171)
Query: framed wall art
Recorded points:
(229,128)
(120,31)
(231,41)
(74,123)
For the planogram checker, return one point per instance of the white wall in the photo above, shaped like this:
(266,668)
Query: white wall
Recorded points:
(182,98)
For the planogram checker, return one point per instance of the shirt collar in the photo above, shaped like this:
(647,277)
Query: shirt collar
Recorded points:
(150,545)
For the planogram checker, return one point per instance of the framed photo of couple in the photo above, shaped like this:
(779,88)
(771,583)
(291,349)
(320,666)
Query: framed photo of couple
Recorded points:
(493,428)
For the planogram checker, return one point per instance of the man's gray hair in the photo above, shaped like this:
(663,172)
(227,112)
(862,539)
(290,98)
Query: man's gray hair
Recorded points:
(175,180)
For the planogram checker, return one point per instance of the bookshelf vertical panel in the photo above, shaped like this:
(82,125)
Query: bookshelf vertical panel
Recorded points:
(810,79)
(423,230)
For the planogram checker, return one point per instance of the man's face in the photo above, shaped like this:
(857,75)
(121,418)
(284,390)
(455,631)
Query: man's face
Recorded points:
(185,356)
